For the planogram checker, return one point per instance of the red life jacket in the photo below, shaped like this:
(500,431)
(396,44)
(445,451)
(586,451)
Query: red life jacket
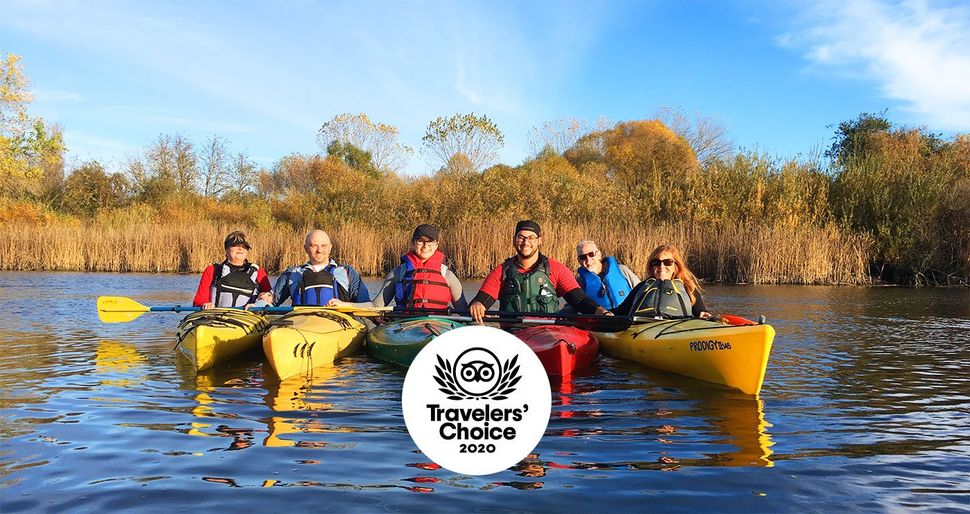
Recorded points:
(423,285)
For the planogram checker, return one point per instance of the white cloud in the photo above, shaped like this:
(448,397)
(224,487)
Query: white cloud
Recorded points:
(918,52)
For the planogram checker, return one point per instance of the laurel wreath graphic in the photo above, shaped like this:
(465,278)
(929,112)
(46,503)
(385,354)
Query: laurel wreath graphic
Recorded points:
(509,376)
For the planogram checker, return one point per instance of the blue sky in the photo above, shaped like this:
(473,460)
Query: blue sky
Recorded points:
(266,75)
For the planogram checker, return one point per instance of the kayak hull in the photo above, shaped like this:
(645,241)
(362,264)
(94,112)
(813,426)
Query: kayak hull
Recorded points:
(308,338)
(209,337)
(734,356)
(562,350)
(399,342)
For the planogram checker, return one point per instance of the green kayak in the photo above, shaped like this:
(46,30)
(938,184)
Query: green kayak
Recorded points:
(398,342)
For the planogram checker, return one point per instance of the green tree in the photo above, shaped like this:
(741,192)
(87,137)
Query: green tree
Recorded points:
(475,137)
(852,137)
(89,189)
(353,156)
(379,140)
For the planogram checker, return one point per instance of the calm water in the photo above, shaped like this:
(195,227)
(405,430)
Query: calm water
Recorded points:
(866,406)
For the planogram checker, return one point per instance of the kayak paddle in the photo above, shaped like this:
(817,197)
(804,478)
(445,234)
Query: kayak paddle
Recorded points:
(120,309)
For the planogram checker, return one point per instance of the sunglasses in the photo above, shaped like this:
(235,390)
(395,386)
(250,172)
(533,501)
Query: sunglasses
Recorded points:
(586,256)
(665,262)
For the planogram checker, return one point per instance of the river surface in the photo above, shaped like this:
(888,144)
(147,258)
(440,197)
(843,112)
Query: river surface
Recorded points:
(865,407)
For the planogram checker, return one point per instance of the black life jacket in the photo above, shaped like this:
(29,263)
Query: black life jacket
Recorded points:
(234,286)
(662,299)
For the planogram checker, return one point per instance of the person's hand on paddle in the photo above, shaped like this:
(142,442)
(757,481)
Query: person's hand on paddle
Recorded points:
(266,297)
(208,305)
(603,311)
(477,311)
(336,303)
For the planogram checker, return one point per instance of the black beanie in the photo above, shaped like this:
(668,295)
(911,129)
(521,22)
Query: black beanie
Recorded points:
(528,225)
(425,230)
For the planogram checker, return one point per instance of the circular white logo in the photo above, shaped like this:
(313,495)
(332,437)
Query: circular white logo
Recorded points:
(476,400)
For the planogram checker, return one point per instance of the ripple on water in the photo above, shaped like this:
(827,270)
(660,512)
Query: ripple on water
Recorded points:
(862,402)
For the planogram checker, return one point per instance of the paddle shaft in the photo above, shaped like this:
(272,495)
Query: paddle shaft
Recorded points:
(188,308)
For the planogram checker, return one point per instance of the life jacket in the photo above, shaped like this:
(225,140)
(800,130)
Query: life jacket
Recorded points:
(319,287)
(663,299)
(608,292)
(234,286)
(531,291)
(423,285)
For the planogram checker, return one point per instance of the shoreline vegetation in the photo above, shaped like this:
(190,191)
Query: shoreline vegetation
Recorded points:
(740,254)
(884,203)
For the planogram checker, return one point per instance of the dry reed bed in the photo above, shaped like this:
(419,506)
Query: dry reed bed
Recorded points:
(723,253)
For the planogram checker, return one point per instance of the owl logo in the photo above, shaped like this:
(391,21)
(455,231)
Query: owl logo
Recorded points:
(477,373)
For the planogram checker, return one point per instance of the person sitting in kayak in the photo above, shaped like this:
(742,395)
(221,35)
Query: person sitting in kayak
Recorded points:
(235,282)
(530,281)
(421,281)
(603,279)
(668,273)
(320,279)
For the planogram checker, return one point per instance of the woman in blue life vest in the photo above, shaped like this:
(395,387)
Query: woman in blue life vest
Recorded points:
(235,282)
(422,280)
(603,279)
(320,279)
(667,264)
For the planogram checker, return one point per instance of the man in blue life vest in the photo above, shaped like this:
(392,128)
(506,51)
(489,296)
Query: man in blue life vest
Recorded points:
(603,279)
(320,279)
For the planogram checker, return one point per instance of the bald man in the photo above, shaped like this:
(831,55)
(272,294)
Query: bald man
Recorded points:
(320,279)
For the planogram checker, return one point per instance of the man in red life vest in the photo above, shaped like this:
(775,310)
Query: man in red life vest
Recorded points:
(530,281)
(422,280)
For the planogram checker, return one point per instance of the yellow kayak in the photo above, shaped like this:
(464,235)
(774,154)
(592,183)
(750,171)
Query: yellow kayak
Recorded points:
(731,355)
(212,336)
(311,337)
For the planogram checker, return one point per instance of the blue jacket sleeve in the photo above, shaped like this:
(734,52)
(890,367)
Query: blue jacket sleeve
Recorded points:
(358,290)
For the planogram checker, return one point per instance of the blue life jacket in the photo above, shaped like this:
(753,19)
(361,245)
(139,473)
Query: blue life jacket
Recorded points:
(609,292)
(319,287)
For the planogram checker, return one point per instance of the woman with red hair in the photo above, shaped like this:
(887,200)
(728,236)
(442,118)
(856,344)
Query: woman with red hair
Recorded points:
(667,264)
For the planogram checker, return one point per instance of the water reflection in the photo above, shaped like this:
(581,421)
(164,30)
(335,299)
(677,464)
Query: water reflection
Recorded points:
(300,397)
(865,399)
(118,360)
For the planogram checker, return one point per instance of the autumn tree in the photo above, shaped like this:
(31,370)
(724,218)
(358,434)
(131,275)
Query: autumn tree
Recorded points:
(31,151)
(656,166)
(358,131)
(475,137)
(14,95)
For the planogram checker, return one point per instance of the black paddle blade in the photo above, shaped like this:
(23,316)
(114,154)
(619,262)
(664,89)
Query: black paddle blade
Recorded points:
(598,323)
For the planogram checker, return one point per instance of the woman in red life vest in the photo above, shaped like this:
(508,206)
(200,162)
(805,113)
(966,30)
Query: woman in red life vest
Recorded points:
(235,282)
(422,280)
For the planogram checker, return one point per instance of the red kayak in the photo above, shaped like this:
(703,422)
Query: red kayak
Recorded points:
(561,350)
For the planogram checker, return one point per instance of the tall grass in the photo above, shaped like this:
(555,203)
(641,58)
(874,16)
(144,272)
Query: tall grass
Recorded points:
(736,253)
